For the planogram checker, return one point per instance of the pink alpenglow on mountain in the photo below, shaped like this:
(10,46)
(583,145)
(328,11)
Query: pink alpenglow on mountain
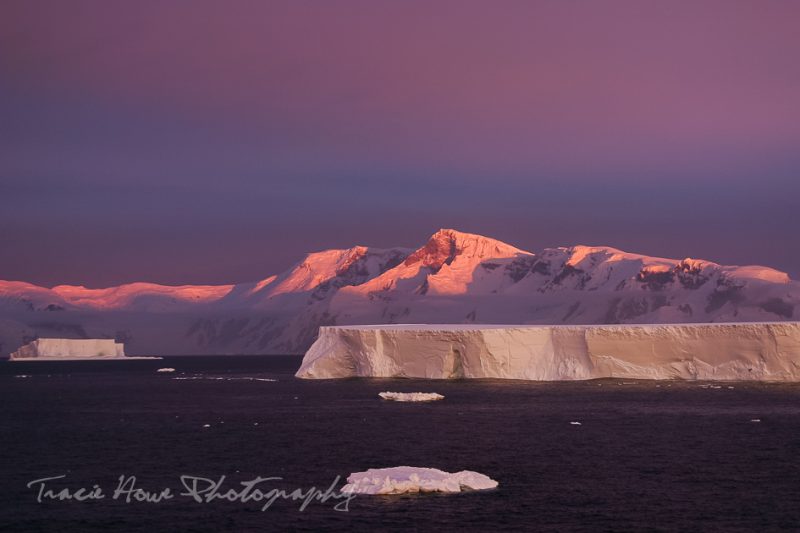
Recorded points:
(454,278)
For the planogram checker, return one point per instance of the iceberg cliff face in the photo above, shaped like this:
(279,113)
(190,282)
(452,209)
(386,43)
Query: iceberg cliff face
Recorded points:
(730,351)
(69,349)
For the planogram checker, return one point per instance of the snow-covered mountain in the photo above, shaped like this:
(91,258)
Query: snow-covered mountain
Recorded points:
(454,278)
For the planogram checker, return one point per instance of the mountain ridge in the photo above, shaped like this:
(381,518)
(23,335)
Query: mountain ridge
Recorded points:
(454,277)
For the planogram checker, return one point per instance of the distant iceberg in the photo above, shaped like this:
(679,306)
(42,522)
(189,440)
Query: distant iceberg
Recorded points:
(411,396)
(765,351)
(70,349)
(409,479)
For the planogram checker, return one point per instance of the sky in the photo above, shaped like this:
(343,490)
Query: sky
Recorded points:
(215,142)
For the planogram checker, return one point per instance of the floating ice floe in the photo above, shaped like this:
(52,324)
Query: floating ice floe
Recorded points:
(165,370)
(409,479)
(411,396)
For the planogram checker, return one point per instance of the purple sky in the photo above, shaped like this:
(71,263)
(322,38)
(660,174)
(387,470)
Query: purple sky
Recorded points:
(209,142)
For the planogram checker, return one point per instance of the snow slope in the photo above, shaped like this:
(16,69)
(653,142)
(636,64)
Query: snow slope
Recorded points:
(736,351)
(453,278)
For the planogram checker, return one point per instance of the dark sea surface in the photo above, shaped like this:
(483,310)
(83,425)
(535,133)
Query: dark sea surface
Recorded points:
(647,456)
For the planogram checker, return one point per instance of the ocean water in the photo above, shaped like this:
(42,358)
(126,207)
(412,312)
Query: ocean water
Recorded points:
(668,456)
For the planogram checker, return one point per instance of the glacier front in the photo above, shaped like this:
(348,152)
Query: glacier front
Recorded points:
(764,351)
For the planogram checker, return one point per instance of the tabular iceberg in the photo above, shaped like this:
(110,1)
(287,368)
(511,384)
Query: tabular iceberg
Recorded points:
(403,479)
(725,351)
(70,349)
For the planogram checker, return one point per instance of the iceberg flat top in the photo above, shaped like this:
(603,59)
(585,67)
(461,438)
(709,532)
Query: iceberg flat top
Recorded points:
(475,327)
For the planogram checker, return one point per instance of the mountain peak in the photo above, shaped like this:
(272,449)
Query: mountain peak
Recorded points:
(459,237)
(446,244)
(448,233)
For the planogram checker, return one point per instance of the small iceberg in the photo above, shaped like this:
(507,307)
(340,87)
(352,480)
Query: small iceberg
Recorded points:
(409,479)
(165,370)
(411,396)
